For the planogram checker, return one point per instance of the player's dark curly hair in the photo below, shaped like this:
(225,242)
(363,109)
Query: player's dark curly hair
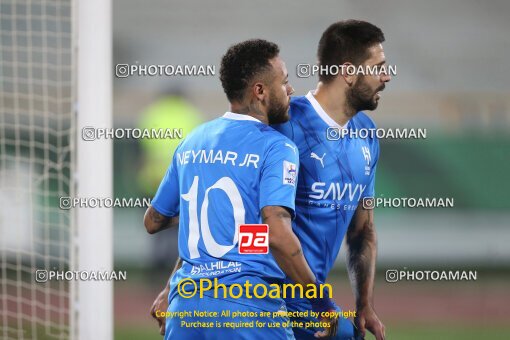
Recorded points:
(242,63)
(346,41)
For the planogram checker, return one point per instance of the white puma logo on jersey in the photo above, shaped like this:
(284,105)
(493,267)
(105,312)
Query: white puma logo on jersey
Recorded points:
(320,159)
(290,146)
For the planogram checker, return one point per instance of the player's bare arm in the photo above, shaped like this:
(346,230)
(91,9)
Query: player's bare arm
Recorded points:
(285,246)
(286,250)
(361,242)
(161,301)
(155,222)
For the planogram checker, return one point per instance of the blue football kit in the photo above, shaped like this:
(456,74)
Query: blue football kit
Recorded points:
(221,176)
(337,170)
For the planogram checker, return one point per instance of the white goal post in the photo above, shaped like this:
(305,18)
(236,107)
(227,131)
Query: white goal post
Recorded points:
(94,300)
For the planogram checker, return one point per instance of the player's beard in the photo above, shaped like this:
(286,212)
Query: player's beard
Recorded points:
(277,112)
(361,96)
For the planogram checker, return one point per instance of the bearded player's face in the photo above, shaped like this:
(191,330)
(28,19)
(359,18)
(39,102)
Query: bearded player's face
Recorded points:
(279,95)
(365,93)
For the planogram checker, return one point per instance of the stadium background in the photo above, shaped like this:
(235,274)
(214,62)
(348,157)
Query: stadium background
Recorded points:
(452,79)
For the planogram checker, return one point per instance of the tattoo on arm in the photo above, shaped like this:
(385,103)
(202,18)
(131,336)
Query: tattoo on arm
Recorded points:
(359,258)
(362,248)
(157,217)
(279,213)
(296,253)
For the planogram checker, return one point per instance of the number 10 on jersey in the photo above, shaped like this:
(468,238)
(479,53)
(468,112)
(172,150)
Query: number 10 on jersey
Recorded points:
(253,238)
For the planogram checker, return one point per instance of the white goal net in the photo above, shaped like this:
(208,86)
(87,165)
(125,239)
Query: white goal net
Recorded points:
(37,157)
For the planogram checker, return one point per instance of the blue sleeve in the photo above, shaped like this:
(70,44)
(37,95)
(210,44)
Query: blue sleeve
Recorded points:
(167,198)
(370,191)
(279,175)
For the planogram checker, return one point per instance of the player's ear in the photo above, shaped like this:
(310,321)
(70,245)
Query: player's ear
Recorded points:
(259,91)
(347,74)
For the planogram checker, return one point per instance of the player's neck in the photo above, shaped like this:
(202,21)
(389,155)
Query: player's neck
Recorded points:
(249,111)
(334,103)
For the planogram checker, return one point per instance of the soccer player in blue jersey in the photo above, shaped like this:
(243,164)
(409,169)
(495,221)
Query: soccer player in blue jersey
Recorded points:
(336,173)
(232,171)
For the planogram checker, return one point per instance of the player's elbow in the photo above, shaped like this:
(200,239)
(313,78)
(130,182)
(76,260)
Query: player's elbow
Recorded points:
(276,242)
(280,235)
(280,227)
(361,233)
(149,224)
(150,227)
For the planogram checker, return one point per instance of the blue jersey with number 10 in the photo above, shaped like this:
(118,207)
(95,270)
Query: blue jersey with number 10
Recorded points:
(221,176)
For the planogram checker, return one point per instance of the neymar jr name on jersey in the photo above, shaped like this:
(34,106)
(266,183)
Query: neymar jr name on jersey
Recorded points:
(217,156)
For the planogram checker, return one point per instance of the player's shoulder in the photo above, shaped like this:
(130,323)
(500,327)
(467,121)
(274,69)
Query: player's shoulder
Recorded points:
(298,106)
(363,120)
(274,137)
(197,135)
(277,143)
(198,130)
(216,127)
